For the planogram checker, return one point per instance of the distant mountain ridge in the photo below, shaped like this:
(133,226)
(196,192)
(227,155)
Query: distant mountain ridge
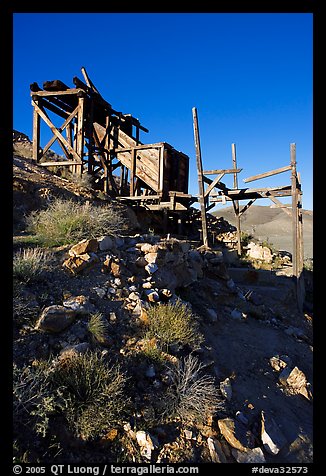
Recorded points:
(272,224)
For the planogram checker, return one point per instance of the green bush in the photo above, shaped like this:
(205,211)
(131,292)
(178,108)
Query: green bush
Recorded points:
(191,396)
(93,391)
(29,263)
(65,222)
(173,324)
(98,327)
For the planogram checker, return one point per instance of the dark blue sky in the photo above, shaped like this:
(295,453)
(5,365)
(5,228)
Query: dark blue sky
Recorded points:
(249,75)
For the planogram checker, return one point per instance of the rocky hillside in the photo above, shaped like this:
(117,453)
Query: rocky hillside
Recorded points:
(271,224)
(141,347)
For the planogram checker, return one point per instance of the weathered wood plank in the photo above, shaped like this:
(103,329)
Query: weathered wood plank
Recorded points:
(221,171)
(61,163)
(236,202)
(200,177)
(59,93)
(267,174)
(36,132)
(213,184)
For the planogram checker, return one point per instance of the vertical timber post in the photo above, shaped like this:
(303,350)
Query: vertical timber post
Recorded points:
(296,259)
(80,134)
(36,132)
(200,177)
(236,202)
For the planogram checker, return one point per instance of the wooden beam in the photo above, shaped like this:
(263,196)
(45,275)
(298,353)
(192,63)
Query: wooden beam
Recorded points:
(200,177)
(221,171)
(61,129)
(280,205)
(236,202)
(132,172)
(245,208)
(36,131)
(80,133)
(213,184)
(75,91)
(61,163)
(55,131)
(267,174)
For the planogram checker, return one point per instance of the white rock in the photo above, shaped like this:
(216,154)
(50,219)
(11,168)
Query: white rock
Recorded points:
(250,456)
(271,435)
(134,296)
(147,285)
(226,388)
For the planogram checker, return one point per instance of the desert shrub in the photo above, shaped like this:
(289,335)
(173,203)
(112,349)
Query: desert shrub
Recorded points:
(85,180)
(29,263)
(173,324)
(93,391)
(33,399)
(98,326)
(66,222)
(191,396)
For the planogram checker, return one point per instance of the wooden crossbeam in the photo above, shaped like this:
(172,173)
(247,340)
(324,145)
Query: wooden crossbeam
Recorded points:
(58,93)
(221,171)
(213,184)
(245,208)
(280,205)
(55,131)
(61,163)
(61,129)
(267,174)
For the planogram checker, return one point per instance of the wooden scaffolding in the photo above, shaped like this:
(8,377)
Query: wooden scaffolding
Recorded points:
(213,190)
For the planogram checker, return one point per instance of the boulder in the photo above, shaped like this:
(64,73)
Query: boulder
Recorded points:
(77,264)
(295,380)
(84,246)
(271,435)
(106,243)
(236,434)
(151,257)
(55,319)
(215,450)
(146,443)
(226,389)
(148,248)
(262,253)
(279,362)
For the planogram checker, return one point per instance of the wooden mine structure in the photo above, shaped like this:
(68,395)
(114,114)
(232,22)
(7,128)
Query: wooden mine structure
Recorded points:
(97,139)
